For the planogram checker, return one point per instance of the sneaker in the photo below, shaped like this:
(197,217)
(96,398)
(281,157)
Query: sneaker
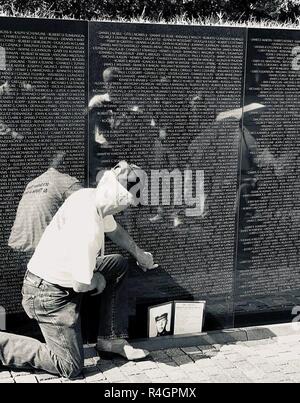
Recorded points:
(109,349)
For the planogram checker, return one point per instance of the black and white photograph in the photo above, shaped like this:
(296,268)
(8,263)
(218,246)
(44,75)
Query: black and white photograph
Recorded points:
(160,320)
(149,194)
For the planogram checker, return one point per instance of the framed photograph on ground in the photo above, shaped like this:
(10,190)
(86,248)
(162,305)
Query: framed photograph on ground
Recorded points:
(188,317)
(160,320)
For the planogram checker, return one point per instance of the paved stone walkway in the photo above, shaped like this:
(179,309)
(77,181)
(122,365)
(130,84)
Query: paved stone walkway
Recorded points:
(266,361)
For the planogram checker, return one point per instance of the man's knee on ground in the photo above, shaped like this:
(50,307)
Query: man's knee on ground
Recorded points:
(72,370)
(69,367)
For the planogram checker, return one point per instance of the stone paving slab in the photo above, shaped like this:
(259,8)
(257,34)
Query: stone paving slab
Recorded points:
(271,360)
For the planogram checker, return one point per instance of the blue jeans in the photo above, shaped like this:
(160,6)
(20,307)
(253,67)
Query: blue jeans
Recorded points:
(57,311)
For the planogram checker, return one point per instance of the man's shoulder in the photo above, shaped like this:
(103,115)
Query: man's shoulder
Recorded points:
(55,173)
(61,180)
(82,195)
(80,207)
(38,179)
(51,175)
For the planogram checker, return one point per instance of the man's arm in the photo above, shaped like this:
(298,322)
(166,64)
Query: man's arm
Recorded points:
(122,239)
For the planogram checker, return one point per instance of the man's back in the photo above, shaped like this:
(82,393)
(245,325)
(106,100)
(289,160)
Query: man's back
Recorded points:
(40,201)
(71,243)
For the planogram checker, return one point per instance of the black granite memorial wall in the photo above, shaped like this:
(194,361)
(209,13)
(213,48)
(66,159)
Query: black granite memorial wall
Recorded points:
(267,277)
(211,109)
(172,84)
(43,100)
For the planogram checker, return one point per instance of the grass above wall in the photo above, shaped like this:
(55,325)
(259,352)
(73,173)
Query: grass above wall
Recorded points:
(218,20)
(215,20)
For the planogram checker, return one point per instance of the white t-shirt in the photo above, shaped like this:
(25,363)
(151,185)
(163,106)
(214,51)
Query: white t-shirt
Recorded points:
(71,243)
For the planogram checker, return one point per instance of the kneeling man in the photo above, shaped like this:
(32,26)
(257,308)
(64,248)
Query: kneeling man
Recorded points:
(66,264)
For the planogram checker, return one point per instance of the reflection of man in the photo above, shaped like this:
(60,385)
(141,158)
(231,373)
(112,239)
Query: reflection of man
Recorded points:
(5,102)
(161,325)
(66,264)
(164,158)
(103,122)
(10,91)
(4,80)
(115,119)
(41,200)
(229,129)
(5,88)
(252,157)
(170,138)
(102,107)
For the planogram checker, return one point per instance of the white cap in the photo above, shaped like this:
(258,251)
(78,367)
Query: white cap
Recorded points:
(112,193)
